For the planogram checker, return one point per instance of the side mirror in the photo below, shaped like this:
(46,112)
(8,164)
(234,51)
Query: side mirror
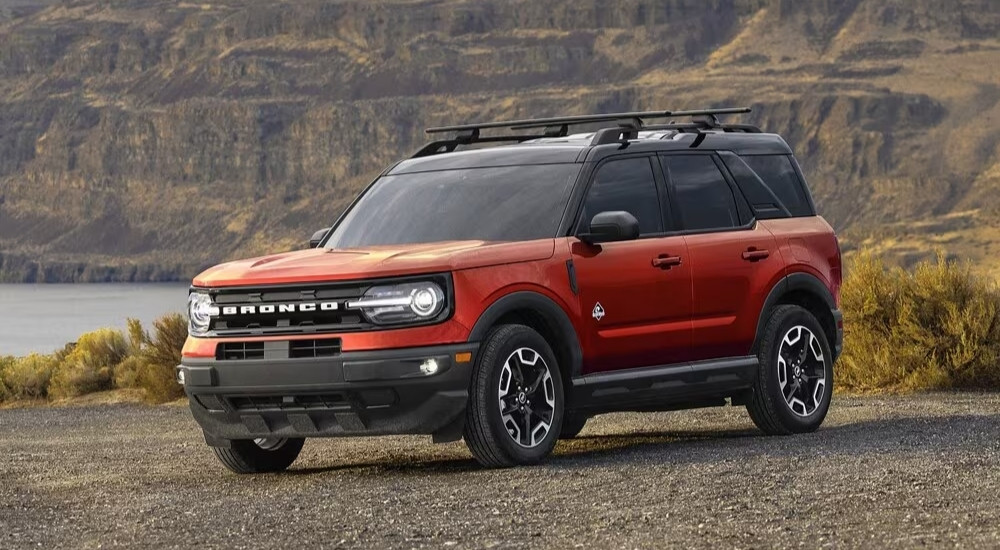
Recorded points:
(318,237)
(608,227)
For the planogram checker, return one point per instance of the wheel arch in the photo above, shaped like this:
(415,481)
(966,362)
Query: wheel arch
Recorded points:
(543,315)
(807,291)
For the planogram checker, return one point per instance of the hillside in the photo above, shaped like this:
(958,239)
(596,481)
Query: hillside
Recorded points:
(145,139)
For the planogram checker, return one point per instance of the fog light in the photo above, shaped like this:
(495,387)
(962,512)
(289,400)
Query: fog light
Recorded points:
(429,366)
(180,376)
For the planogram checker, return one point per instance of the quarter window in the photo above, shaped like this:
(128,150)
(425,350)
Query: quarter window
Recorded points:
(777,172)
(704,198)
(629,185)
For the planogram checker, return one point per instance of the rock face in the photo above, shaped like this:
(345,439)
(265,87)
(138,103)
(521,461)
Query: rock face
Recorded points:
(146,139)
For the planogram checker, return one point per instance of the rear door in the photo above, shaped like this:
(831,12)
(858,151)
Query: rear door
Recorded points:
(733,259)
(636,294)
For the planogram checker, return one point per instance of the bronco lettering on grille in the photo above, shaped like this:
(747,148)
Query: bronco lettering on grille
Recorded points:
(280,308)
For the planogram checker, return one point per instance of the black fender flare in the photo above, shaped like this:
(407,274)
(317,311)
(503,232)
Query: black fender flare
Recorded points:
(791,283)
(551,311)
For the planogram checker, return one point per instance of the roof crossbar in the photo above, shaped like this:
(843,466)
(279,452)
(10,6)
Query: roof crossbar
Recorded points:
(626,126)
(584,119)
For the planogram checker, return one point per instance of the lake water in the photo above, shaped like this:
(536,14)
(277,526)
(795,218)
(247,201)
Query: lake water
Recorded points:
(43,318)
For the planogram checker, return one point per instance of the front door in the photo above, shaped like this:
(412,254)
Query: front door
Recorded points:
(636,294)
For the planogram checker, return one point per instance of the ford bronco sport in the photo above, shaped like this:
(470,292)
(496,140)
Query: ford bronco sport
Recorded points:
(505,294)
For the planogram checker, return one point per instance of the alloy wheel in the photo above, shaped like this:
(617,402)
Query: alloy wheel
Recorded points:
(801,370)
(527,397)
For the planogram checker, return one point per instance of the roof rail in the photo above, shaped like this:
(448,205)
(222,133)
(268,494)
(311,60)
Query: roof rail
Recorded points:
(627,125)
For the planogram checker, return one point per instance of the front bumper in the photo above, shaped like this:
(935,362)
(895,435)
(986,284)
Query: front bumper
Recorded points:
(353,393)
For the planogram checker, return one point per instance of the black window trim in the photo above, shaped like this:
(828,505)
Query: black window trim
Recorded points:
(660,183)
(737,194)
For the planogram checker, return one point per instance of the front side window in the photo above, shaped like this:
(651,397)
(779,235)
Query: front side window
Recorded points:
(507,203)
(704,199)
(628,185)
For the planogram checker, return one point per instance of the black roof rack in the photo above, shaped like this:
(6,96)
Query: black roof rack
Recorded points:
(627,125)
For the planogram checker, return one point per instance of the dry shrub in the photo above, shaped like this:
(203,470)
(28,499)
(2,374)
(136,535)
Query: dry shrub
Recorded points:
(28,377)
(6,361)
(937,327)
(159,355)
(89,366)
(126,374)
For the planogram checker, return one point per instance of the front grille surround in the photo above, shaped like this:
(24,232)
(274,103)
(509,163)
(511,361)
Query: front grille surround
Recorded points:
(342,319)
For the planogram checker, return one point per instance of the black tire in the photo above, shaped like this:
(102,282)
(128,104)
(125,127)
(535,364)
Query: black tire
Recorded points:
(572,425)
(489,437)
(772,407)
(245,456)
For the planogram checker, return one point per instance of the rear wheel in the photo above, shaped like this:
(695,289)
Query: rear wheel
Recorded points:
(256,456)
(515,407)
(794,383)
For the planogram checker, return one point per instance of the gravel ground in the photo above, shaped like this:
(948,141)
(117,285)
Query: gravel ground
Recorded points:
(882,472)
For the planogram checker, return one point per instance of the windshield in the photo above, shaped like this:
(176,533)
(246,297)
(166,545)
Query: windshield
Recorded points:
(508,203)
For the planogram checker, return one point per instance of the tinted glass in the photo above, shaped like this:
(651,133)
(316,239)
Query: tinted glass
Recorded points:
(766,205)
(629,185)
(777,172)
(510,203)
(704,199)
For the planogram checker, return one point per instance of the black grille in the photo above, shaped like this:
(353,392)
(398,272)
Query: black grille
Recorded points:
(314,348)
(364,399)
(280,349)
(239,351)
(290,403)
(295,322)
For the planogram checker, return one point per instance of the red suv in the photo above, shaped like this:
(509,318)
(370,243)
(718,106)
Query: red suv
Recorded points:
(506,294)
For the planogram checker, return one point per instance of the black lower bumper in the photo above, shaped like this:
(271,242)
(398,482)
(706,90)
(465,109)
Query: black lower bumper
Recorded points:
(405,391)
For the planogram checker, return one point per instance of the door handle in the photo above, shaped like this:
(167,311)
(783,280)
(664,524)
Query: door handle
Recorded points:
(755,255)
(666,261)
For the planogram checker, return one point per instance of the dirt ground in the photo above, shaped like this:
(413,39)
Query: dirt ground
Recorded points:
(882,472)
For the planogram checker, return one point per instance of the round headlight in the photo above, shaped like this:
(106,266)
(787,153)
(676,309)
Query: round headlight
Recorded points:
(401,303)
(426,301)
(200,312)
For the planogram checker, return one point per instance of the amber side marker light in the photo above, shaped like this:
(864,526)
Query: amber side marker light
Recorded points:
(463,357)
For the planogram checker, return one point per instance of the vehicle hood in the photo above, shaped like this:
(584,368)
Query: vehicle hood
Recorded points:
(320,264)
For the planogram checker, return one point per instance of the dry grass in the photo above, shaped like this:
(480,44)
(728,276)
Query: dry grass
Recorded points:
(28,377)
(101,361)
(88,366)
(936,327)
(159,355)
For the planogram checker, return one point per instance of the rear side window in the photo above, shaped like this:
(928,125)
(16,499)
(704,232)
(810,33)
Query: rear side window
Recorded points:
(704,199)
(778,173)
(629,185)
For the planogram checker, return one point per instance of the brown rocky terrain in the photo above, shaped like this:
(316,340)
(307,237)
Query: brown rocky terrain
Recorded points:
(145,139)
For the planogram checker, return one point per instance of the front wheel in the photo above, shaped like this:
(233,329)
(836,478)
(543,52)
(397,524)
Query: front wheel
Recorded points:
(515,408)
(794,382)
(256,456)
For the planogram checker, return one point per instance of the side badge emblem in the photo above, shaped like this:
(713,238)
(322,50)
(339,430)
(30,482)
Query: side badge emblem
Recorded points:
(598,311)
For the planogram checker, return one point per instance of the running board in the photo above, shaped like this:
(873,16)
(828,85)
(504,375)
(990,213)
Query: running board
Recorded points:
(683,385)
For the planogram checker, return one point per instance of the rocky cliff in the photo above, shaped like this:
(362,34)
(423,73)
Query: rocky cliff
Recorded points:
(145,139)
